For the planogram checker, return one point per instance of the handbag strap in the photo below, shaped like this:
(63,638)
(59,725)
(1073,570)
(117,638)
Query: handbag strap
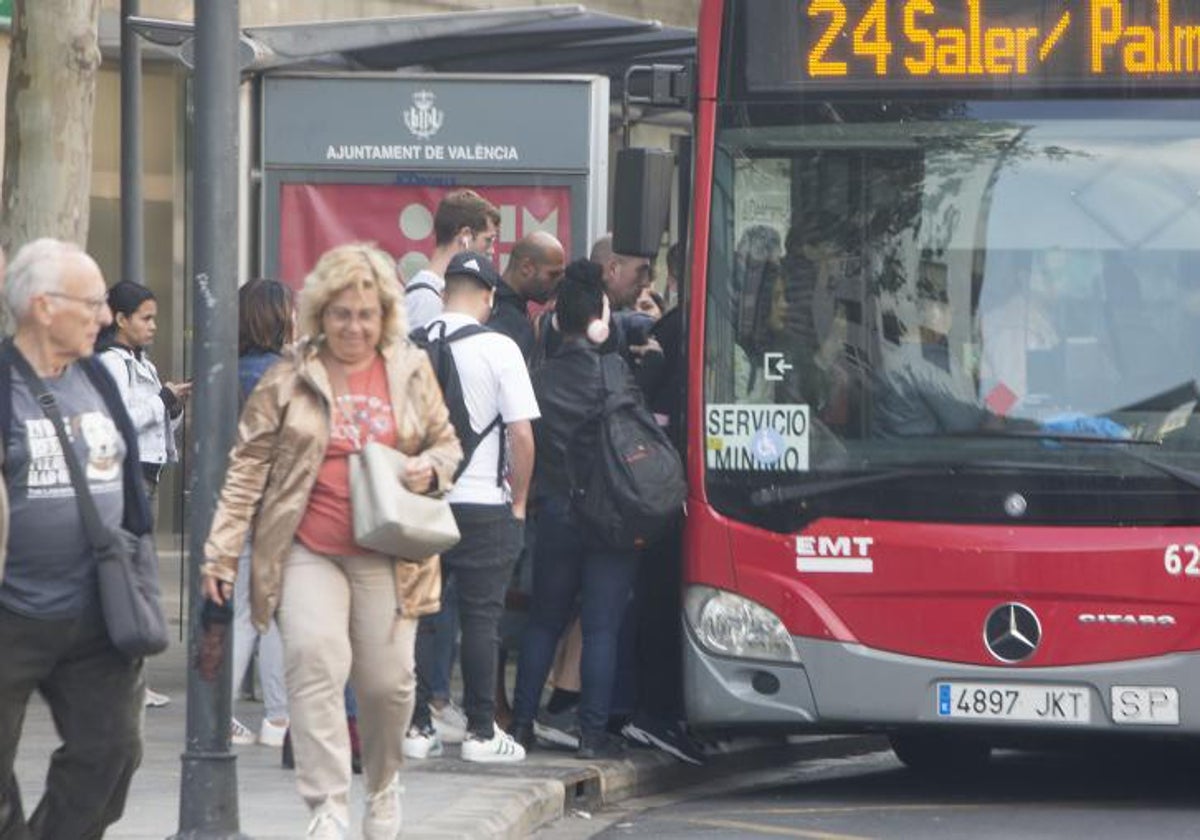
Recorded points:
(338,381)
(83,495)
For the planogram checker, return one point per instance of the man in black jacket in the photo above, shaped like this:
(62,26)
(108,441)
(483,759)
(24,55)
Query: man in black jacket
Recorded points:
(52,634)
(535,268)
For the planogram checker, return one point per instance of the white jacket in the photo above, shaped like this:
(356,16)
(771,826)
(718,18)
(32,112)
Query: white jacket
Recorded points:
(137,380)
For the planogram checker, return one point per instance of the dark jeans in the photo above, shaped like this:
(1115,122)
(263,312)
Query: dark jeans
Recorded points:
(480,566)
(95,696)
(569,564)
(437,642)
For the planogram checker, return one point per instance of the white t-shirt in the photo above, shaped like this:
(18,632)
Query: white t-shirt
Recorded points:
(423,304)
(494,381)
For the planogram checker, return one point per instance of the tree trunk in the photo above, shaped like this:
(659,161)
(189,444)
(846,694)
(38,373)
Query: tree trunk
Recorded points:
(51,100)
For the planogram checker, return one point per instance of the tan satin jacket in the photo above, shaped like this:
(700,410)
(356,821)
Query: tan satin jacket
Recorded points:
(281,440)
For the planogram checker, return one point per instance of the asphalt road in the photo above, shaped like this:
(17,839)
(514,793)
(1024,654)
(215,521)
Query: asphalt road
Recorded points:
(1115,792)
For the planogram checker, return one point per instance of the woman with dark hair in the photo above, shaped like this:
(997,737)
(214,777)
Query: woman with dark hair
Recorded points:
(570,563)
(266,324)
(155,407)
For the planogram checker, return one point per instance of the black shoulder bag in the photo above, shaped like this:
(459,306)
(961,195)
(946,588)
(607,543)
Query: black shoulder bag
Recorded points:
(127,565)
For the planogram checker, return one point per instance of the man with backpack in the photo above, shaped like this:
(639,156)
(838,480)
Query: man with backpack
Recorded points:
(607,481)
(490,399)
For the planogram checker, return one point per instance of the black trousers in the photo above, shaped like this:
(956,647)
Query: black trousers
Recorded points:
(95,695)
(481,566)
(658,649)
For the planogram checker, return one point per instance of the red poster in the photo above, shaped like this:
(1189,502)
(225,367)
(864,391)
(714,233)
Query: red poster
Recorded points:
(399,219)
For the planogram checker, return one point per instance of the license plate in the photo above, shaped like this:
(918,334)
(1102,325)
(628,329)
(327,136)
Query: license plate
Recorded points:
(1148,705)
(1025,703)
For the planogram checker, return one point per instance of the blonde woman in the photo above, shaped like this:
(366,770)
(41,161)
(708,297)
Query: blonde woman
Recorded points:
(344,613)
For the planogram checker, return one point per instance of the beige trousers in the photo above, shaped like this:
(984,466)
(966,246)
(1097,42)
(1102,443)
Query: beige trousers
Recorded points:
(339,622)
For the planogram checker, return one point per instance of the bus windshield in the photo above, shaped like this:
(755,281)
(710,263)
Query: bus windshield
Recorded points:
(973,287)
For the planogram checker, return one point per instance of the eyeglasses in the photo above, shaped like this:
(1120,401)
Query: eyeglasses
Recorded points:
(96,304)
(342,316)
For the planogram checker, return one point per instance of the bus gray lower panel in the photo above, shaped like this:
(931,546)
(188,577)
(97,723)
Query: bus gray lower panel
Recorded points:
(845,686)
(722,691)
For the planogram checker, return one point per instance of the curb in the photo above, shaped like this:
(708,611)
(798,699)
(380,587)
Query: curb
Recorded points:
(510,806)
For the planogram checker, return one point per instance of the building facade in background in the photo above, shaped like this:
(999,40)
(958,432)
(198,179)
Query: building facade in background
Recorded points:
(165,138)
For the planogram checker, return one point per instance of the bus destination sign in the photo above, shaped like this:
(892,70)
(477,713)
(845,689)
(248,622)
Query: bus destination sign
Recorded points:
(923,44)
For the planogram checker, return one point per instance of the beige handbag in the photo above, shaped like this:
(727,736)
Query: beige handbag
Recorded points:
(389,518)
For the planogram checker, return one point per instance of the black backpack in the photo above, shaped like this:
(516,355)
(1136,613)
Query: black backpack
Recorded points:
(635,487)
(436,343)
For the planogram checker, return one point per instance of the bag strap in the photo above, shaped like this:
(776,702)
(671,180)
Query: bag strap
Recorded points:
(497,423)
(339,381)
(591,418)
(83,493)
(421,285)
(466,331)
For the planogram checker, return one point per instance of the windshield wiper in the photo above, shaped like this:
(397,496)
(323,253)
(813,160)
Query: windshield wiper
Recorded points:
(1189,477)
(777,495)
(1039,434)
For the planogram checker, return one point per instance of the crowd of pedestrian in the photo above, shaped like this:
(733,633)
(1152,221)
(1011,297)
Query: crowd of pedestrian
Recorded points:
(486,383)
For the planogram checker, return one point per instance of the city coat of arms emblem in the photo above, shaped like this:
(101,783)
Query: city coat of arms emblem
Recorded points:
(424,119)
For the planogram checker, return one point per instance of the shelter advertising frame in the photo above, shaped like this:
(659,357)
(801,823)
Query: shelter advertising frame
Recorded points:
(366,157)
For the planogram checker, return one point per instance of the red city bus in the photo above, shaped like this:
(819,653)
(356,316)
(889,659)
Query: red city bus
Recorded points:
(943,355)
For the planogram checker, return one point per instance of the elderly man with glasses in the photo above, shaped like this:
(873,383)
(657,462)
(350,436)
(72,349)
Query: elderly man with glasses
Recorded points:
(52,634)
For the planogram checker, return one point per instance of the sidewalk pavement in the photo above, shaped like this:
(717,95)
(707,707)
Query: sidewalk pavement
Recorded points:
(444,797)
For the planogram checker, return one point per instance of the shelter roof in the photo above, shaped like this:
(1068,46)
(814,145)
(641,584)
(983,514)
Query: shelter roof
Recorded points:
(543,39)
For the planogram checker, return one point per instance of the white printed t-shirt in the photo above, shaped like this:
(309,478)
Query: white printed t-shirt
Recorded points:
(494,381)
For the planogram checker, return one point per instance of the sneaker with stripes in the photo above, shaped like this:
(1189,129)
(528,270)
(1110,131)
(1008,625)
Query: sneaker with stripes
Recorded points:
(501,748)
(239,733)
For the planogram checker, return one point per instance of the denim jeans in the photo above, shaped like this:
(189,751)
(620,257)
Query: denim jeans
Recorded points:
(95,695)
(437,642)
(480,566)
(270,646)
(571,565)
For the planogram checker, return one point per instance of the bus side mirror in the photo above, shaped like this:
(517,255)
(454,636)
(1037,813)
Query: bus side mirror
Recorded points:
(642,200)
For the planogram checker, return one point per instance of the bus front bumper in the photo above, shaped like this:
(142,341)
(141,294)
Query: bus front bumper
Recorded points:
(839,686)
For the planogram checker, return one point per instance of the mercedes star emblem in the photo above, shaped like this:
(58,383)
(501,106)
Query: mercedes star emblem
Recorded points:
(1012,632)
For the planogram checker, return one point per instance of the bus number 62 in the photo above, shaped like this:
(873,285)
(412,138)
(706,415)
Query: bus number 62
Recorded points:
(1182,560)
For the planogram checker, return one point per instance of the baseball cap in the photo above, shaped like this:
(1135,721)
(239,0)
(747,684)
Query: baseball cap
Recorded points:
(474,265)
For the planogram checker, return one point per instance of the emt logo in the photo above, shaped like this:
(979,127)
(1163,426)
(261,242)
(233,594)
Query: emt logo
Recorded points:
(847,555)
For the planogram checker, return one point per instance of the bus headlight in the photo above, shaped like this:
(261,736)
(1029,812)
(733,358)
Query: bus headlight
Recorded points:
(730,625)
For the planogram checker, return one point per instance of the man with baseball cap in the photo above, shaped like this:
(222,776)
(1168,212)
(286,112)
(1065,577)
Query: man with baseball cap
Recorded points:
(488,500)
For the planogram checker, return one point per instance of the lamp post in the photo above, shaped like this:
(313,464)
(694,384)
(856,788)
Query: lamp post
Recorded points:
(208,805)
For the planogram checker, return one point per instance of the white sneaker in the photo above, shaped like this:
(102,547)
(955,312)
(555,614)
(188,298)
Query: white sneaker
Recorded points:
(270,735)
(449,722)
(501,748)
(325,825)
(239,733)
(422,744)
(382,819)
(155,700)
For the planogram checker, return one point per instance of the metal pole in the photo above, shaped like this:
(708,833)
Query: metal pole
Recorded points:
(132,224)
(208,806)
